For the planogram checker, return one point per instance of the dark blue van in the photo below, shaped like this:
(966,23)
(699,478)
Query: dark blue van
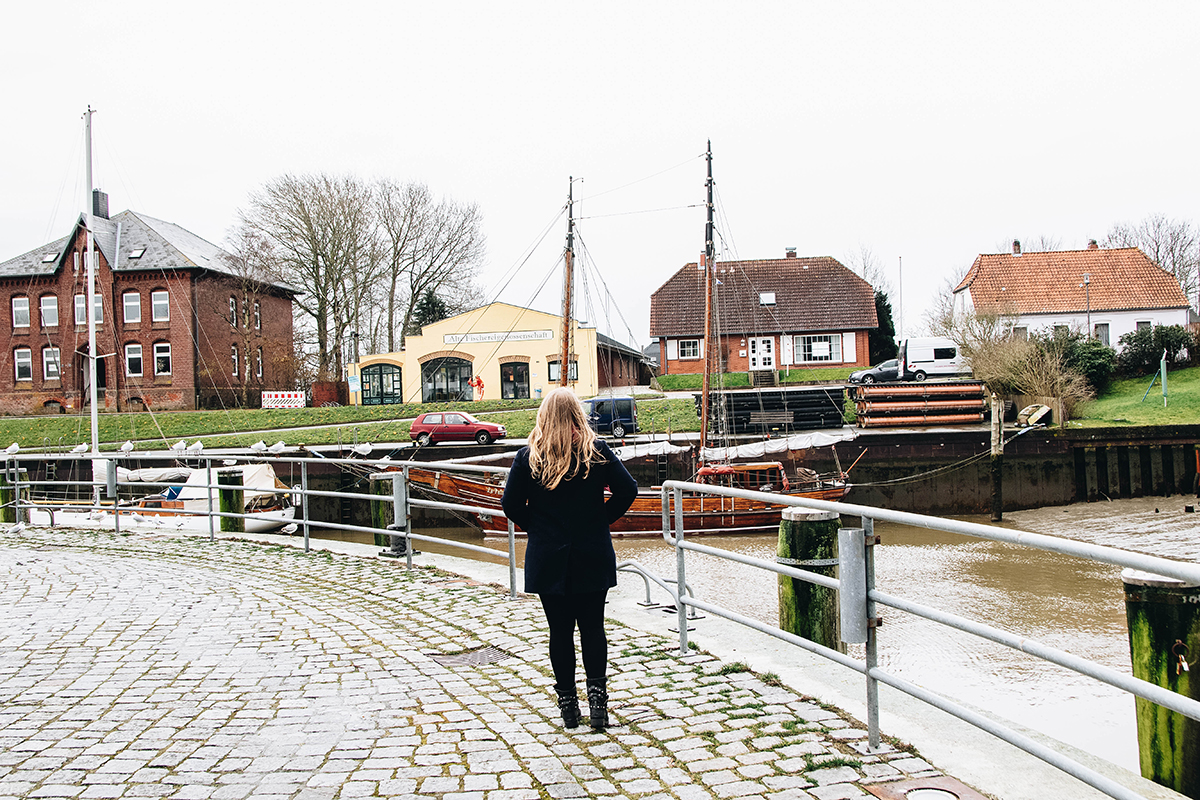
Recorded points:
(614,415)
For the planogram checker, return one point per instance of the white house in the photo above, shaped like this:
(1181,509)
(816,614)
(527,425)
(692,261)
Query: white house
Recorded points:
(1107,292)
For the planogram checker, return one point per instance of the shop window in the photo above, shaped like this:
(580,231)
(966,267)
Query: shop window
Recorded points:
(514,381)
(381,385)
(446,379)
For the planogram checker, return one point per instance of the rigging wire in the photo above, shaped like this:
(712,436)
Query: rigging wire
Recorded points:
(643,211)
(640,180)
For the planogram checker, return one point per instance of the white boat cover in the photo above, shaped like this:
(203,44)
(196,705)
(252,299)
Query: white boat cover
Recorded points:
(259,480)
(154,474)
(799,441)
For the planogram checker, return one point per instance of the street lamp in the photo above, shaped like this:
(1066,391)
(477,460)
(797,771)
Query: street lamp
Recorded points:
(1088,294)
(354,338)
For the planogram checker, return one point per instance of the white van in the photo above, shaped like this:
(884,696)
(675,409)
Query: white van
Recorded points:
(931,358)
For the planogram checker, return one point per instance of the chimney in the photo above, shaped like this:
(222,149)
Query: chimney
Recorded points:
(702,262)
(100,203)
(791,252)
(1016,247)
(1092,245)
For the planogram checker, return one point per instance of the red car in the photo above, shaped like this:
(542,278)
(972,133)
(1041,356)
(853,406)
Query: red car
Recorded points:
(453,426)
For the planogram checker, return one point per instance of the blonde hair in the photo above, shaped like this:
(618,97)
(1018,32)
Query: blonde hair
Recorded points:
(561,444)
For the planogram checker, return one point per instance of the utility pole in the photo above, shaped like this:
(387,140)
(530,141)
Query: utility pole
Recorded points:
(91,290)
(709,269)
(564,362)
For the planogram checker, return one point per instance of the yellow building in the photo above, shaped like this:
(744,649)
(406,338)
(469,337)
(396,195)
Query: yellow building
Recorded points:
(513,351)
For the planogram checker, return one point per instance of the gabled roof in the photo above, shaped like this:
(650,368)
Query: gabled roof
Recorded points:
(1119,279)
(165,245)
(613,344)
(811,294)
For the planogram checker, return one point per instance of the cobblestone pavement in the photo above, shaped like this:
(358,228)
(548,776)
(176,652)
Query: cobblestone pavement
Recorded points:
(151,666)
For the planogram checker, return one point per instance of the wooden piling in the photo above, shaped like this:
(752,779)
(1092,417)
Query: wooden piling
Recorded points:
(232,498)
(808,540)
(1164,627)
(997,459)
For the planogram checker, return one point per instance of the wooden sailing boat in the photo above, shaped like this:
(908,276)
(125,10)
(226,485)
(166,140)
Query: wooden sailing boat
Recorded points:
(703,514)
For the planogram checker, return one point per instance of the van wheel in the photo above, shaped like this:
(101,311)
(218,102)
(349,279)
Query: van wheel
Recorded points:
(618,430)
(920,375)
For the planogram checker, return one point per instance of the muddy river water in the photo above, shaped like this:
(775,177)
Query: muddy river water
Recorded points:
(1068,603)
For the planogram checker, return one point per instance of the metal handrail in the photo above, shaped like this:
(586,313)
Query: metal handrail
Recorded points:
(673,534)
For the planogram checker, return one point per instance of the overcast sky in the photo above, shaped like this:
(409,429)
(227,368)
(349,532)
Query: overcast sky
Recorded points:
(924,131)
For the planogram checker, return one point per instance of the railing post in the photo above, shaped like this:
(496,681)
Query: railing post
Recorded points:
(512,562)
(872,650)
(208,482)
(304,500)
(680,575)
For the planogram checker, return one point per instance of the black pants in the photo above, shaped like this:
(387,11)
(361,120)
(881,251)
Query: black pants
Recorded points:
(563,613)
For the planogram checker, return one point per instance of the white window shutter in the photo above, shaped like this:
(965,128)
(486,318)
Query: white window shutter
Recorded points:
(849,354)
(702,343)
(672,349)
(786,350)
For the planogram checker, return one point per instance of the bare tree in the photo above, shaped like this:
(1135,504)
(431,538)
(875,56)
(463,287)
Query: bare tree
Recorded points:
(1174,245)
(939,318)
(1042,243)
(322,233)
(864,263)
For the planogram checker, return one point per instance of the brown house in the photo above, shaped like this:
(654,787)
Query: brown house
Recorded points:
(768,314)
(176,326)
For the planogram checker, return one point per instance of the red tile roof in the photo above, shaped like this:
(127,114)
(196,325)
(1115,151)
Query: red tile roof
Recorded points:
(811,294)
(1120,279)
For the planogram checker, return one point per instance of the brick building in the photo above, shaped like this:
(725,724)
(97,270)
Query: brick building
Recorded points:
(768,313)
(177,326)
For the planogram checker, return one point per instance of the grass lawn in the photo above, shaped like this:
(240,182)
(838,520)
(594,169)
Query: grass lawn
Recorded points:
(1123,404)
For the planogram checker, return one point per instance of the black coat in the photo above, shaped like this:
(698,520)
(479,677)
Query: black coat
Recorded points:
(569,549)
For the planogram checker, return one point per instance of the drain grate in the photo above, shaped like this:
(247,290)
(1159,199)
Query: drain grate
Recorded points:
(471,658)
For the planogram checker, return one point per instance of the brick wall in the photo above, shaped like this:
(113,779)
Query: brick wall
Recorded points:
(735,357)
(195,301)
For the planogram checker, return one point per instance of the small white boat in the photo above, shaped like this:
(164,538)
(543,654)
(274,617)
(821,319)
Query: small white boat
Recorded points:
(268,500)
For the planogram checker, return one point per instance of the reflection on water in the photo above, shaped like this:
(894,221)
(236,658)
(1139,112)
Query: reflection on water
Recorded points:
(1068,603)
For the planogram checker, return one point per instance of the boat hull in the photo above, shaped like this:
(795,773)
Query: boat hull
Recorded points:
(702,514)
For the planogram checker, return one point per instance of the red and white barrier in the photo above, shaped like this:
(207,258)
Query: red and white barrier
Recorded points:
(283,400)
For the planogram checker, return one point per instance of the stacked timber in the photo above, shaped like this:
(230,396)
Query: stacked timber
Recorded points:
(776,410)
(880,405)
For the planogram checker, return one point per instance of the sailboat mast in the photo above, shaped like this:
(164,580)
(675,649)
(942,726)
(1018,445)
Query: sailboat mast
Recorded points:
(709,270)
(564,363)
(91,290)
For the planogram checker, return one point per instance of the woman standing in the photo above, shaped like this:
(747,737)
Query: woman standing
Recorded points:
(555,493)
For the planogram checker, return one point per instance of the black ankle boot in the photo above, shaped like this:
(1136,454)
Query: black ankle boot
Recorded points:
(568,704)
(597,704)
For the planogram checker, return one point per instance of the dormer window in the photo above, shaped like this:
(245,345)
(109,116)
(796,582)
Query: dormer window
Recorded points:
(766,298)
(138,253)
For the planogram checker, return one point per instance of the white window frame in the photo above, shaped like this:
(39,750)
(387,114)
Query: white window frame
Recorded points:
(97,309)
(51,307)
(162,349)
(233,352)
(160,299)
(689,345)
(134,351)
(20,311)
(23,357)
(51,363)
(554,371)
(136,307)
(803,347)
(1106,338)
(257,316)
(258,363)
(233,313)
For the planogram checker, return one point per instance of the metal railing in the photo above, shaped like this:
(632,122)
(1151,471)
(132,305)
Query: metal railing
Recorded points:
(858,598)
(858,601)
